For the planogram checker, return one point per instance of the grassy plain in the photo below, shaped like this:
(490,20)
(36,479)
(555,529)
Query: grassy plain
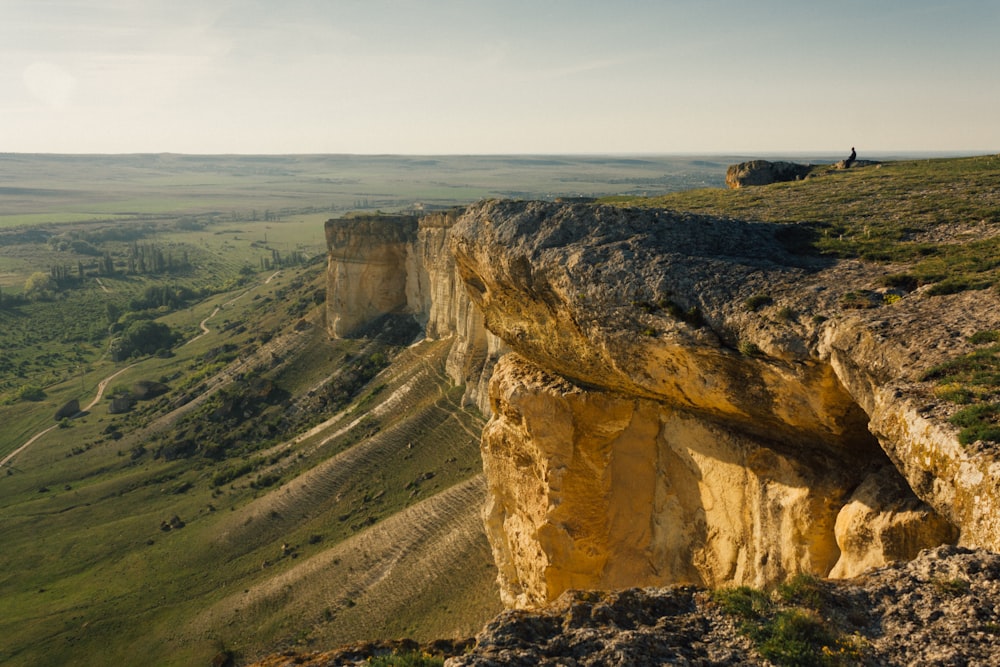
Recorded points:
(932,215)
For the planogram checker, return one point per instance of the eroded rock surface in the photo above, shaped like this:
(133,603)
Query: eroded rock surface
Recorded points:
(388,265)
(655,428)
(940,609)
(764,172)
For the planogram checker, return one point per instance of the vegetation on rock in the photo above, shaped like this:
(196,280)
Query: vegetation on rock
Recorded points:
(934,216)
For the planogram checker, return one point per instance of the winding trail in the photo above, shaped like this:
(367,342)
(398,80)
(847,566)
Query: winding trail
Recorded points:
(101,386)
(204,323)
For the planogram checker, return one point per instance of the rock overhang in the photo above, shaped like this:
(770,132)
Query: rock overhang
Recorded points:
(652,306)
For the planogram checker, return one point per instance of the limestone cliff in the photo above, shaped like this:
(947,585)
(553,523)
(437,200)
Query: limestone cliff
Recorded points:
(652,428)
(394,265)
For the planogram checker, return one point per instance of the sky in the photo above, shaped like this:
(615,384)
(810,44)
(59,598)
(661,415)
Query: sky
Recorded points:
(499,76)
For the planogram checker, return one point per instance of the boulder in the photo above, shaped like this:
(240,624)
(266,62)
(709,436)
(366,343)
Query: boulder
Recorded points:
(69,410)
(762,172)
(143,390)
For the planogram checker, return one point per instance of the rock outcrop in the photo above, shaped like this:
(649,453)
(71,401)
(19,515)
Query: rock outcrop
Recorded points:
(69,410)
(401,265)
(652,428)
(854,164)
(939,609)
(764,172)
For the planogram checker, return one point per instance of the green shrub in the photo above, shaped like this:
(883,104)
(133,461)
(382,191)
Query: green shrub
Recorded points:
(406,660)
(797,638)
(979,422)
(30,392)
(744,602)
(758,301)
(787,314)
(983,337)
(804,589)
(955,393)
(788,629)
(903,281)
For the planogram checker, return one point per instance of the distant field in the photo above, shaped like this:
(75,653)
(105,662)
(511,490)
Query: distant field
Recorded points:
(38,189)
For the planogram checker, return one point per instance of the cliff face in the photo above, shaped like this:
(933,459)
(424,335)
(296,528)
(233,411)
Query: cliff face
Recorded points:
(365,274)
(653,428)
(399,265)
(658,421)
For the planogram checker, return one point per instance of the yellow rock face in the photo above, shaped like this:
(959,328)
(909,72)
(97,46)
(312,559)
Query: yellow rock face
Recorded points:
(654,429)
(880,524)
(365,274)
(589,489)
(380,265)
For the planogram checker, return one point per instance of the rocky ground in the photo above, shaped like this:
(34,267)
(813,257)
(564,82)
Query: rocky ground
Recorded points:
(941,609)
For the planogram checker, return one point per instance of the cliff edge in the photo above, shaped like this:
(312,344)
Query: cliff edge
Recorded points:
(690,399)
(385,267)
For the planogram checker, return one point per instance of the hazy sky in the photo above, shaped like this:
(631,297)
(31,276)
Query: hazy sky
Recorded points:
(499,76)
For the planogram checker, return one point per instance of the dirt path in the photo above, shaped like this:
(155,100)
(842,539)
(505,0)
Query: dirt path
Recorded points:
(101,386)
(23,447)
(204,323)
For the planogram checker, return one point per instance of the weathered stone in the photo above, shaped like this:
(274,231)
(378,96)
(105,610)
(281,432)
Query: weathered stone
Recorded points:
(854,164)
(641,314)
(384,265)
(69,410)
(365,277)
(939,609)
(763,172)
(884,522)
(591,489)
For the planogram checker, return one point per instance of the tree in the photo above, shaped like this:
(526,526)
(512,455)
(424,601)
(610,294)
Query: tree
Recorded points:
(113,312)
(143,337)
(39,285)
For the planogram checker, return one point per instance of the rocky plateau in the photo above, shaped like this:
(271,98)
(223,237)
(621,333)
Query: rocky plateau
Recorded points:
(650,429)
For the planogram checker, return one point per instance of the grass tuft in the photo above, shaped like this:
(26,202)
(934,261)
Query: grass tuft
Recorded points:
(413,659)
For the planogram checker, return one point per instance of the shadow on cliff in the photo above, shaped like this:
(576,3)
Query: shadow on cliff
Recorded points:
(391,329)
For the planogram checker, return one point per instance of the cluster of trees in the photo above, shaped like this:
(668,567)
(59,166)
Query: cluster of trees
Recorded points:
(142,259)
(276,261)
(149,258)
(164,296)
(143,337)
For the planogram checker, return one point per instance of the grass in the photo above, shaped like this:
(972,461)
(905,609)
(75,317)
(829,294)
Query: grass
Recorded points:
(788,627)
(889,214)
(106,583)
(973,381)
(406,660)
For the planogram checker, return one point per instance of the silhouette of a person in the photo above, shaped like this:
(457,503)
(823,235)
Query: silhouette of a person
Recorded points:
(851,158)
